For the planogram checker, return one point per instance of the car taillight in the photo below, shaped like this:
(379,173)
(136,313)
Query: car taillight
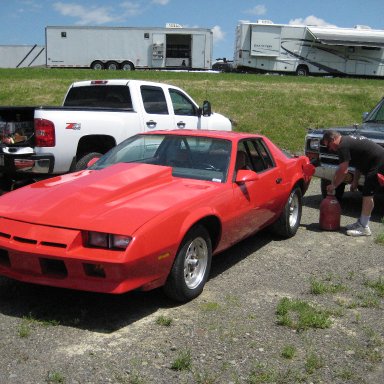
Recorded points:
(44,133)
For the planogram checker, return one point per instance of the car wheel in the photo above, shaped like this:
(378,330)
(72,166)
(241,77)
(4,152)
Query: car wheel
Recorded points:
(191,267)
(302,70)
(289,220)
(339,192)
(82,163)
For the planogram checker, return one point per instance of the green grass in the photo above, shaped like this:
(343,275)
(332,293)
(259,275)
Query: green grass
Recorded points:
(300,315)
(183,362)
(281,107)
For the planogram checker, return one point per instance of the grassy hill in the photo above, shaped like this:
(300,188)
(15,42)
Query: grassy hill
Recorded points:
(281,107)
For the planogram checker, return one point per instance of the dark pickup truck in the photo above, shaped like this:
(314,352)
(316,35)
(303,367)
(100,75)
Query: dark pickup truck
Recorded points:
(326,162)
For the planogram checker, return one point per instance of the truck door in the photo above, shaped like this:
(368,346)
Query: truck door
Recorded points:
(198,51)
(156,114)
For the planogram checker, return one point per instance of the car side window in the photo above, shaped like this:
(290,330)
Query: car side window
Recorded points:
(154,100)
(181,104)
(260,158)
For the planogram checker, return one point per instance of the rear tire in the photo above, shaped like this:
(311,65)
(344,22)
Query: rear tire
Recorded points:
(289,221)
(191,267)
(83,161)
(302,70)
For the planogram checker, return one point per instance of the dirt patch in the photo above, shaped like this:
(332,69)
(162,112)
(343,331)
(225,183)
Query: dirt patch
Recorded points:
(230,334)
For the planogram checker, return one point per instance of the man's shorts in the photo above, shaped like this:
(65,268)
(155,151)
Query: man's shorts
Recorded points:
(371,184)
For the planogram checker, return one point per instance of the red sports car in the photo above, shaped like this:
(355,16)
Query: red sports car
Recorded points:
(151,212)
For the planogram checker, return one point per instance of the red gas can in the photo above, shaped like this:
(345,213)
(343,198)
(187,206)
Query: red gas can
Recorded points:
(330,213)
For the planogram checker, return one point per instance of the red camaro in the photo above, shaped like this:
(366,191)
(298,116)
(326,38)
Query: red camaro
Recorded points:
(151,212)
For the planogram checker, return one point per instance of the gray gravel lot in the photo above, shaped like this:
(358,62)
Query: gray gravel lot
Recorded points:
(227,335)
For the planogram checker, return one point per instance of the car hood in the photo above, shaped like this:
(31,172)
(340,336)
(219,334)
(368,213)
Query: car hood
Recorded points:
(125,195)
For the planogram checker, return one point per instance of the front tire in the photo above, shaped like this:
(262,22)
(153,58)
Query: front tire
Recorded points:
(191,267)
(289,221)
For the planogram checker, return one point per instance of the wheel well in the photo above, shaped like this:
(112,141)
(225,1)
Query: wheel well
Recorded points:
(213,226)
(94,143)
(304,67)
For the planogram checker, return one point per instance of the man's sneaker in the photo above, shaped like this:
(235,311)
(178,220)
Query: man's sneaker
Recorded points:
(353,226)
(359,230)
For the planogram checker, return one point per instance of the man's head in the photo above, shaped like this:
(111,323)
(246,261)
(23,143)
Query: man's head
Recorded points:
(331,140)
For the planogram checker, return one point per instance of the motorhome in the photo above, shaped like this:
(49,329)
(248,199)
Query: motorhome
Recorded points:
(304,50)
(128,48)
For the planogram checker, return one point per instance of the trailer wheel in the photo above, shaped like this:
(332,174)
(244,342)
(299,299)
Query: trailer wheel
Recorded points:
(127,66)
(97,65)
(112,66)
(302,70)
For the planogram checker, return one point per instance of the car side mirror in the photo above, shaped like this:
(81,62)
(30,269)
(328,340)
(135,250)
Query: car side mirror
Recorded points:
(245,175)
(365,115)
(207,109)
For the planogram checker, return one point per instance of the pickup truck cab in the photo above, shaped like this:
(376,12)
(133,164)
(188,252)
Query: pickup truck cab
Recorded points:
(327,162)
(96,115)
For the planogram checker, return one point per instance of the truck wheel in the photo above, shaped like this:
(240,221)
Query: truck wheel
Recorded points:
(191,267)
(83,161)
(112,66)
(127,66)
(339,190)
(302,70)
(97,65)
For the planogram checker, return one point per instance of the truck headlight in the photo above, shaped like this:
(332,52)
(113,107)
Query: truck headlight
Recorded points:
(314,144)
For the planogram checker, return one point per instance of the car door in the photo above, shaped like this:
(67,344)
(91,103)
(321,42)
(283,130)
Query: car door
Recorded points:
(156,114)
(258,202)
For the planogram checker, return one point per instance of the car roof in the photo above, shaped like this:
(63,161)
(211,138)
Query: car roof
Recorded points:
(228,135)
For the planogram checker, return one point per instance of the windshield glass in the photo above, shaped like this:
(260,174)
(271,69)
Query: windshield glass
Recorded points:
(192,157)
(376,115)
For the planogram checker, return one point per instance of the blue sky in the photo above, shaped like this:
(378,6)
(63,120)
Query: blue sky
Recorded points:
(23,21)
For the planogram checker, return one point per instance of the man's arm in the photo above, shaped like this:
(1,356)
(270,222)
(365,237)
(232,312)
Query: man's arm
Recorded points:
(339,176)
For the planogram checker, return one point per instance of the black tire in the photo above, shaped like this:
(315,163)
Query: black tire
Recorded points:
(191,267)
(339,193)
(127,66)
(112,66)
(97,65)
(302,70)
(85,159)
(289,221)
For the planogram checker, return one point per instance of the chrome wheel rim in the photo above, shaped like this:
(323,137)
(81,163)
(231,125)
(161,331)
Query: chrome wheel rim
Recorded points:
(293,210)
(195,263)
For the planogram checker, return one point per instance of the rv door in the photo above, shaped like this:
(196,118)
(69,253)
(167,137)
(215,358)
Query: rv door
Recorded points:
(198,51)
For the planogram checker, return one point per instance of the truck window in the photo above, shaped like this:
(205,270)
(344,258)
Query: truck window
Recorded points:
(181,104)
(154,100)
(111,96)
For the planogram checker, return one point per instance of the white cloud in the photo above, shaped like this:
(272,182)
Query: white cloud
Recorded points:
(258,10)
(311,20)
(218,34)
(85,16)
(131,8)
(160,2)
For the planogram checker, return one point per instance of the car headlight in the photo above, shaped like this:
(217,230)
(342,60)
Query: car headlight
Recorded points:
(314,144)
(106,240)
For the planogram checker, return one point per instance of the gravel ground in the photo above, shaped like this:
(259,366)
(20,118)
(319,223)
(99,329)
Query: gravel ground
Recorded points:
(229,334)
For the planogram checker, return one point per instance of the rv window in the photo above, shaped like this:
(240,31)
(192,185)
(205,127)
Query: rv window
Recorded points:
(63,34)
(146,35)
(181,104)
(154,100)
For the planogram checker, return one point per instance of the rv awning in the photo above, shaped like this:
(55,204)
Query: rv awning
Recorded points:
(348,36)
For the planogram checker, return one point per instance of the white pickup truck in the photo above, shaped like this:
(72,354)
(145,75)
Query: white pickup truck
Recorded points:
(96,115)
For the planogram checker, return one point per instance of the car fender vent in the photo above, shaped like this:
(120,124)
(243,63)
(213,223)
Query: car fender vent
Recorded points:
(24,240)
(51,244)
(5,235)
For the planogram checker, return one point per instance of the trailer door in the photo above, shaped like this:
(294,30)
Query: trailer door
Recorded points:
(158,50)
(198,51)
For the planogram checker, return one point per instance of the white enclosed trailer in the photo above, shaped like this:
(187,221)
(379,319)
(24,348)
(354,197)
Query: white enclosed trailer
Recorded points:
(22,56)
(268,47)
(128,48)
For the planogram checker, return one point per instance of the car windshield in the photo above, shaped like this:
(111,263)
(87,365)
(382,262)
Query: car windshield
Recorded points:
(193,157)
